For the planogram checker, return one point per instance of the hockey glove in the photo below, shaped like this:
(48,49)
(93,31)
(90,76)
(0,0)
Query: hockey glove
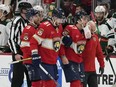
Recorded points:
(67,41)
(101,70)
(109,49)
(107,57)
(66,66)
(36,60)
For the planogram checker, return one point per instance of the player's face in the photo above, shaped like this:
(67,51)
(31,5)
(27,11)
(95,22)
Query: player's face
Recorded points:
(37,19)
(84,20)
(80,24)
(57,21)
(99,16)
(78,9)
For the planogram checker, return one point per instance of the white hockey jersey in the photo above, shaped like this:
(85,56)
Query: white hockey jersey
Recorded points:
(4,34)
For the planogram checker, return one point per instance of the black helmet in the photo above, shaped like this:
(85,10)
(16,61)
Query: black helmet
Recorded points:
(31,12)
(24,5)
(58,12)
(78,16)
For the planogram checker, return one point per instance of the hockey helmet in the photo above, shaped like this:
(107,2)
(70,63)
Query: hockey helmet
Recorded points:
(24,5)
(58,12)
(5,9)
(30,13)
(79,15)
(100,9)
(38,8)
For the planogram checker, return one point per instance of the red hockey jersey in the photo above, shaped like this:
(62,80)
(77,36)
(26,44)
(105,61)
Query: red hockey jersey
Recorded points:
(49,39)
(74,52)
(92,50)
(27,33)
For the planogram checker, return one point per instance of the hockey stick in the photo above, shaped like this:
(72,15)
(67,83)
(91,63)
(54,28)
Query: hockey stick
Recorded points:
(47,73)
(20,60)
(108,58)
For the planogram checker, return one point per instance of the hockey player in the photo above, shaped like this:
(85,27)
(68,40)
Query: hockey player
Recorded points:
(17,27)
(14,4)
(111,34)
(4,30)
(34,18)
(74,71)
(46,42)
(4,10)
(92,50)
(102,28)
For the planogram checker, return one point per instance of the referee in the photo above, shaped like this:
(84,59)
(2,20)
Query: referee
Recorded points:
(17,27)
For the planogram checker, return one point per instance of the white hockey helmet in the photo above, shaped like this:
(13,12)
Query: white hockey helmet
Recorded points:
(5,8)
(32,2)
(100,9)
(38,8)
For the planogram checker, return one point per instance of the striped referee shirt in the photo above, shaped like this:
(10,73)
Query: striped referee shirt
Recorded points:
(17,27)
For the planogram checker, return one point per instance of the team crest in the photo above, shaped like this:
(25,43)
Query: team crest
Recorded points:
(56,45)
(26,37)
(40,32)
(80,48)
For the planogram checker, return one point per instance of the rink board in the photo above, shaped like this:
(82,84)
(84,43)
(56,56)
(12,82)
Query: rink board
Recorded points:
(106,80)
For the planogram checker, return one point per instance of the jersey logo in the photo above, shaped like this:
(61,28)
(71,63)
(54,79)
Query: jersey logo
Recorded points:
(56,44)
(40,31)
(26,37)
(80,48)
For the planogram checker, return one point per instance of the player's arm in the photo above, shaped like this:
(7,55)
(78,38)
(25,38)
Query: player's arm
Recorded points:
(100,57)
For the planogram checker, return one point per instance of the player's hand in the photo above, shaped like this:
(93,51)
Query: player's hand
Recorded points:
(101,70)
(109,49)
(18,57)
(64,60)
(67,41)
(66,66)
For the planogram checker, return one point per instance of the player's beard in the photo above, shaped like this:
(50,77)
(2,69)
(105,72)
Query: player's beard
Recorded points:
(100,18)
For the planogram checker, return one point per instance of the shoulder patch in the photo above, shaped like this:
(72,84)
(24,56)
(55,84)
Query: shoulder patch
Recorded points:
(26,37)
(40,31)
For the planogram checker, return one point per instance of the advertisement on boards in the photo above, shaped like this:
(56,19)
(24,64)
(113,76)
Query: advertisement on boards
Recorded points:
(106,80)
